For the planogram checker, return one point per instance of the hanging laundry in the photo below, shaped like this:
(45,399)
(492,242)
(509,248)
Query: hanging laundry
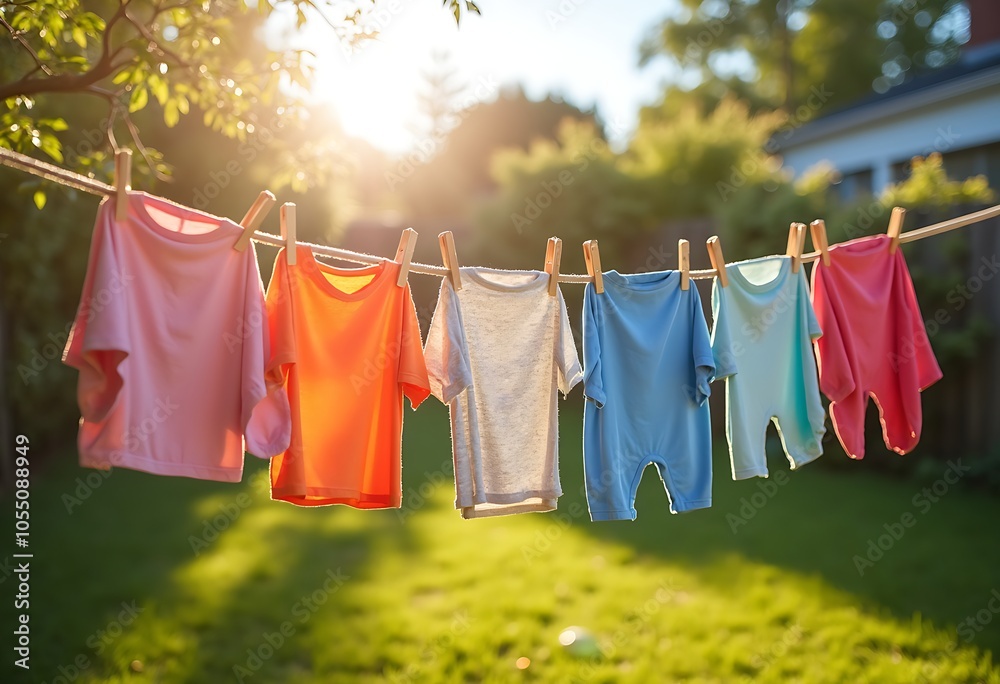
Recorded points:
(346,349)
(497,351)
(874,344)
(647,368)
(761,339)
(171,341)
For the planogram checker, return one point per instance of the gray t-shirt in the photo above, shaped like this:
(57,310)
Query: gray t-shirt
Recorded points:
(496,353)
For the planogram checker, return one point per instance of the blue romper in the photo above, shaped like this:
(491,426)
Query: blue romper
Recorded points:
(647,368)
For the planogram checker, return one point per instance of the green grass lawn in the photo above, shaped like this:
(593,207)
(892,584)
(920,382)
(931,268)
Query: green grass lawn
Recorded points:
(420,595)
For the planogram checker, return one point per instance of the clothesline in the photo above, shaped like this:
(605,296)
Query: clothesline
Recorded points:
(71,179)
(506,466)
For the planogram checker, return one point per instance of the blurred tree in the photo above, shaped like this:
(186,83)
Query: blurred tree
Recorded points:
(775,52)
(181,54)
(928,187)
(439,97)
(449,172)
(573,187)
(754,218)
(691,166)
(694,161)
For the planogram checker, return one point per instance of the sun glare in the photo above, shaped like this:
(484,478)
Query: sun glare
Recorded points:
(374,99)
(372,89)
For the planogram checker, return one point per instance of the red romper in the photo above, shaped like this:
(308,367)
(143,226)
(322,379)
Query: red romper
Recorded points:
(874,343)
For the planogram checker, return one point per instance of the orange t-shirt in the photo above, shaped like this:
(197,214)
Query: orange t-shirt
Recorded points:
(345,344)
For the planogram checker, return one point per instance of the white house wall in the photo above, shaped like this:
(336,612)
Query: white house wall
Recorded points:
(957,123)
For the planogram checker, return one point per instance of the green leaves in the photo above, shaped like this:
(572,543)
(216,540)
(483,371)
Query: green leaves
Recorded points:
(49,144)
(140,96)
(928,186)
(19,131)
(171,113)
(79,36)
(158,86)
(39,198)
(123,76)
(456,8)
(53,124)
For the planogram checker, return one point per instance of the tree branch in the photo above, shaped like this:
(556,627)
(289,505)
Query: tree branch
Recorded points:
(160,9)
(64,83)
(134,132)
(145,33)
(17,35)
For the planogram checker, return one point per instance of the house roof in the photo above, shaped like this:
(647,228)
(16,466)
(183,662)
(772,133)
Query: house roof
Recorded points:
(977,69)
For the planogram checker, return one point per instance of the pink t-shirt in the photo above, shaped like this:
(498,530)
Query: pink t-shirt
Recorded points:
(171,339)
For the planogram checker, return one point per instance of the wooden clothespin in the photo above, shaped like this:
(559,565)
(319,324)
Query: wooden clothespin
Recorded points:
(718,261)
(796,241)
(288,232)
(895,228)
(123,183)
(449,257)
(254,217)
(592,257)
(553,255)
(404,254)
(818,230)
(684,262)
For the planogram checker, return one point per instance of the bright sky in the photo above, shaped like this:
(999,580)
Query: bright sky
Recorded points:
(583,50)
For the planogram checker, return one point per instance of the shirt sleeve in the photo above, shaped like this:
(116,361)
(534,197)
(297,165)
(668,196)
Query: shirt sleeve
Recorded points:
(446,353)
(567,360)
(928,370)
(412,373)
(267,354)
(703,360)
(593,379)
(724,349)
(815,329)
(833,365)
(98,341)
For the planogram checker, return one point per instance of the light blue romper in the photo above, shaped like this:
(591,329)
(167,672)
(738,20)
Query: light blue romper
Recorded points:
(762,339)
(647,368)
